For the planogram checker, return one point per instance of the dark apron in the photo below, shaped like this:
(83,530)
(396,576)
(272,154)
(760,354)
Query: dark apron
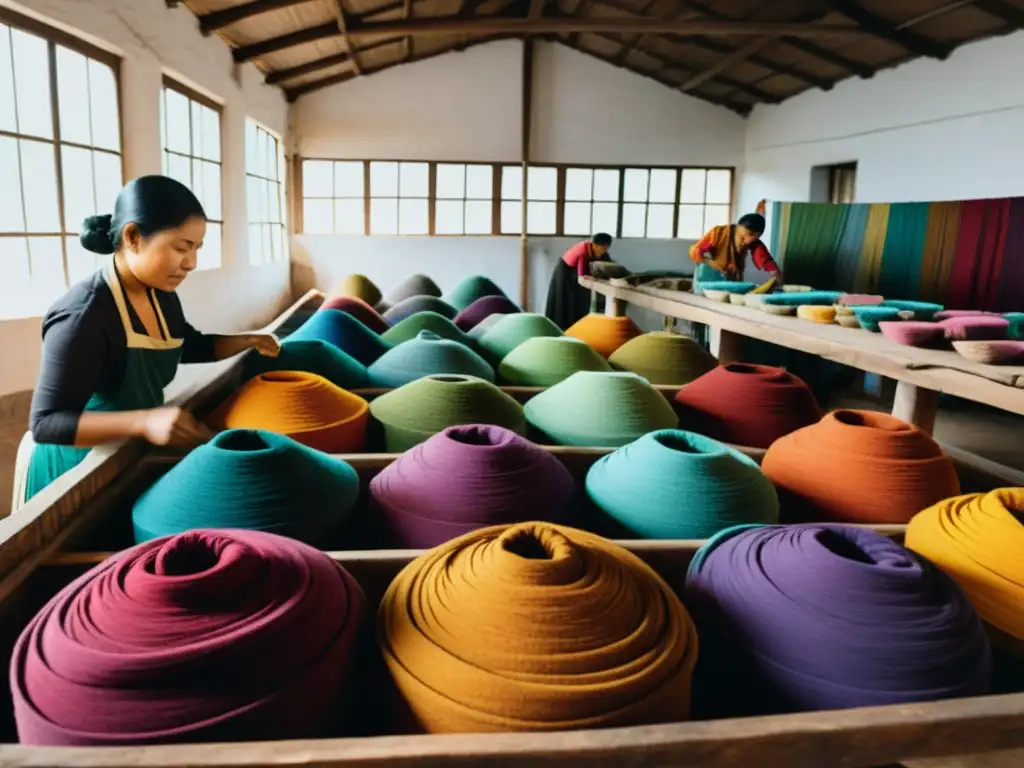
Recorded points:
(150,365)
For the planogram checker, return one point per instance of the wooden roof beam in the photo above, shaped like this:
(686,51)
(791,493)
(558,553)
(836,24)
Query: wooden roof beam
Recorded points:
(886,30)
(740,54)
(343,26)
(1011,14)
(308,35)
(407,14)
(536,9)
(211,22)
(679,11)
(281,75)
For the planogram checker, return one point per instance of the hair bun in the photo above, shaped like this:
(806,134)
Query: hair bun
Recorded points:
(95,235)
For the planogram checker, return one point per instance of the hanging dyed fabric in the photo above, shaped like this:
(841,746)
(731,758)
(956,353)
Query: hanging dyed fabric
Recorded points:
(939,250)
(900,274)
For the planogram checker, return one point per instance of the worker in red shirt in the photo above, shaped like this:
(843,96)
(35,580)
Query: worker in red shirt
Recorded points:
(568,301)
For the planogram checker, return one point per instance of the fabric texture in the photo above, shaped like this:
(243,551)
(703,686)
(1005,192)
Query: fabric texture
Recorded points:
(460,634)
(469,477)
(213,635)
(477,331)
(302,406)
(344,332)
(543,361)
(859,467)
(813,617)
(314,356)
(427,354)
(360,310)
(412,326)
(414,285)
(663,358)
(359,287)
(412,305)
(483,308)
(471,288)
(511,331)
(603,333)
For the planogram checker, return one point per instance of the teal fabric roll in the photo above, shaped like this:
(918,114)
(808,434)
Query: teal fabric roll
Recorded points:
(543,361)
(923,310)
(312,356)
(477,331)
(251,479)
(344,332)
(414,285)
(817,298)
(427,354)
(411,327)
(470,289)
(870,317)
(599,409)
(1016,329)
(513,330)
(672,484)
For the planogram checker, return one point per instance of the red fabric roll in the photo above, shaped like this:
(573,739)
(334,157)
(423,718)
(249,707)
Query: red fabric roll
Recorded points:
(746,404)
(360,310)
(210,635)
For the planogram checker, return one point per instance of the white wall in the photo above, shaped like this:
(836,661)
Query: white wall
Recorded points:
(152,40)
(927,130)
(466,106)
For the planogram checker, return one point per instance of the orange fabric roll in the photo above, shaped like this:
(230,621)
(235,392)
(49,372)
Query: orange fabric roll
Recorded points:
(603,333)
(859,467)
(305,407)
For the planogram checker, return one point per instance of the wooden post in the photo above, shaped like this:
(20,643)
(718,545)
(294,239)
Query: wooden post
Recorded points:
(614,307)
(726,346)
(916,405)
(527,107)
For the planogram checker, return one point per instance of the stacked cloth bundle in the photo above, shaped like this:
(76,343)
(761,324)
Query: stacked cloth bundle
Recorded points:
(603,333)
(483,308)
(412,326)
(813,617)
(462,635)
(746,404)
(414,412)
(312,356)
(513,330)
(543,361)
(251,479)
(672,484)
(593,408)
(469,477)
(859,467)
(303,406)
(470,289)
(414,285)
(358,287)
(426,354)
(360,310)
(408,307)
(663,358)
(344,332)
(210,635)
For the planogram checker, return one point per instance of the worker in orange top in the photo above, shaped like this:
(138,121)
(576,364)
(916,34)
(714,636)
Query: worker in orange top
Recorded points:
(568,301)
(722,253)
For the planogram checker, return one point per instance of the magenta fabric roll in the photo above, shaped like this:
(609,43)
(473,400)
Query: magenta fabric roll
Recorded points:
(210,635)
(949,314)
(469,477)
(976,328)
(914,333)
(483,308)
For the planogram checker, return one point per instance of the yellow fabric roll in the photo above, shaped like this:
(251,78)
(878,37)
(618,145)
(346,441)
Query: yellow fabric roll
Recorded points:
(358,287)
(816,314)
(978,539)
(536,627)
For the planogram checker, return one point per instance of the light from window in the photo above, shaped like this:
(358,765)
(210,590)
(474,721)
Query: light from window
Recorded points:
(191,141)
(591,201)
(42,201)
(541,200)
(463,199)
(649,197)
(264,173)
(333,197)
(399,198)
(704,201)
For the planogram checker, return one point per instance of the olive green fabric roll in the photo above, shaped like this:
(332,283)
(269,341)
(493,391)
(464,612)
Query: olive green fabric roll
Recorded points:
(470,289)
(512,330)
(664,358)
(543,361)
(413,325)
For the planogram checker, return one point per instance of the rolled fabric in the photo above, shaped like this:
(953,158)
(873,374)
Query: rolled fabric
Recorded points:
(603,333)
(816,314)
(212,635)
(470,289)
(483,308)
(914,333)
(410,328)
(663,358)
(360,310)
(870,317)
(414,412)
(859,467)
(746,404)
(923,310)
(414,285)
(949,314)
(513,330)
(477,331)
(814,617)
(1015,330)
(801,298)
(594,408)
(860,299)
(412,305)
(672,484)
(728,286)
(427,354)
(977,328)
(382,306)
(992,352)
(469,477)
(250,479)
(303,406)
(535,627)
(345,332)
(313,356)
(543,361)
(358,287)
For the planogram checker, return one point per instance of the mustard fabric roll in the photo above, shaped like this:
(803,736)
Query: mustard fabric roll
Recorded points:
(536,627)
(603,333)
(978,539)
(816,314)
(662,357)
(358,287)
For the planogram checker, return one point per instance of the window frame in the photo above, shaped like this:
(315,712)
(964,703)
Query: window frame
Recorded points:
(495,200)
(279,184)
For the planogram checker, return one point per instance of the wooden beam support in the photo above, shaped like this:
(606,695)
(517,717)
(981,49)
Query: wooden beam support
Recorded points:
(1011,14)
(281,75)
(536,10)
(740,54)
(407,14)
(211,22)
(527,115)
(678,12)
(308,35)
(886,30)
(824,54)
(343,26)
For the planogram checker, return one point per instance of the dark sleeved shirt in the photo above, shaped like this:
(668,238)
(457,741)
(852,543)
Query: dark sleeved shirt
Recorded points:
(84,346)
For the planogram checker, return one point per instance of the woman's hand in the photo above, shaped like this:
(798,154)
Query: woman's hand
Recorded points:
(266,344)
(229,346)
(174,427)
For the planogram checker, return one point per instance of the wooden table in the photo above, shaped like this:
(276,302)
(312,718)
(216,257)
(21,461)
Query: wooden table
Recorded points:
(921,374)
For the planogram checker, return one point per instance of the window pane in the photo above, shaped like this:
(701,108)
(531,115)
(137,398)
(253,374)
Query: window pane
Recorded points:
(384,216)
(541,184)
(211,188)
(384,179)
(691,222)
(47,261)
(267,243)
(211,134)
(251,156)
(270,170)
(79,188)
(448,215)
(349,217)
(715,215)
(32,84)
(606,186)
(196,123)
(634,219)
(180,168)
(719,185)
(451,183)
(511,184)
(635,186)
(105,111)
(252,199)
(579,185)
(255,244)
(693,186)
(663,187)
(478,217)
(659,221)
(73,96)
(317,178)
(317,217)
(39,186)
(606,218)
(414,179)
(12,218)
(108,175)
(348,180)
(81,263)
(479,182)
(210,253)
(17,275)
(511,218)
(6,82)
(413,218)
(541,218)
(179,136)
(577,218)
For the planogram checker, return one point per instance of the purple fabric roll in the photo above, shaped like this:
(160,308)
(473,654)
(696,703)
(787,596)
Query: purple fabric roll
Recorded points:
(481,309)
(808,617)
(469,477)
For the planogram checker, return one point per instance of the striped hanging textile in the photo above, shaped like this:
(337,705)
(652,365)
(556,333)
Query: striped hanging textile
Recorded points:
(900,274)
(940,241)
(1011,277)
(851,243)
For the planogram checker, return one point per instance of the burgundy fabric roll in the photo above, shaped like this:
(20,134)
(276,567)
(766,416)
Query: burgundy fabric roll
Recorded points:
(483,308)
(746,404)
(812,617)
(360,310)
(469,477)
(210,635)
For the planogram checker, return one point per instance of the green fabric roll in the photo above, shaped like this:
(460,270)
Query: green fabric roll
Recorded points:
(664,358)
(412,413)
(312,356)
(427,354)
(411,327)
(543,361)
(597,409)
(1016,329)
(470,289)
(477,331)
(512,331)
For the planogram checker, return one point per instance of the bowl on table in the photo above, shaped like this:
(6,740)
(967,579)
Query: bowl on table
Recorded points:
(796,289)
(714,295)
(923,310)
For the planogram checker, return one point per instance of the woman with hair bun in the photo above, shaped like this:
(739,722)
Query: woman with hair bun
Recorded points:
(722,253)
(114,341)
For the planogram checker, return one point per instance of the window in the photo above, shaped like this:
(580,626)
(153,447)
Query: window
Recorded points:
(591,201)
(332,197)
(842,180)
(399,198)
(705,201)
(541,200)
(649,197)
(464,197)
(190,126)
(264,173)
(60,159)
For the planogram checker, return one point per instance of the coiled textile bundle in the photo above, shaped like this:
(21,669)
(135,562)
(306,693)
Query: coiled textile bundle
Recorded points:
(663,358)
(360,310)
(483,308)
(412,326)
(344,332)
(603,333)
(471,288)
(543,361)
(513,330)
(427,354)
(414,285)
(359,287)
(413,304)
